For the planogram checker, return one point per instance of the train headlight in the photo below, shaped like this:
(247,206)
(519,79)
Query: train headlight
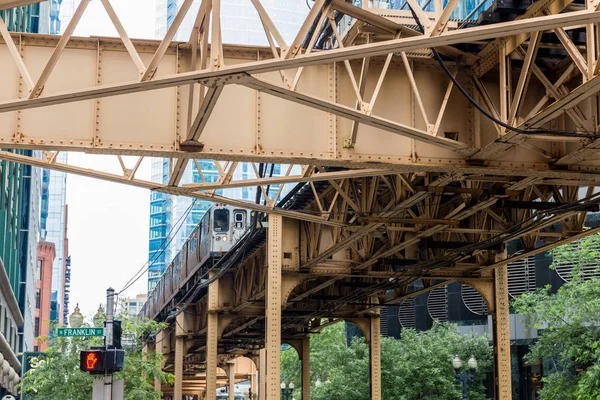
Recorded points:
(225,238)
(218,238)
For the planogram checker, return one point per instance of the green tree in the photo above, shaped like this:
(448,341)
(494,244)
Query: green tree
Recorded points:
(569,322)
(416,366)
(60,378)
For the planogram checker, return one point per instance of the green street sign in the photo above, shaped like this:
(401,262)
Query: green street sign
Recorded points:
(68,332)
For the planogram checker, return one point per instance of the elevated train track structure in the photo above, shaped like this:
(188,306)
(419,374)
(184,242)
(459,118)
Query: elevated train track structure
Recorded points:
(411,168)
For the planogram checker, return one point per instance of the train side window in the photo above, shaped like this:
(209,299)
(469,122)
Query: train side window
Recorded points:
(240,219)
(221,220)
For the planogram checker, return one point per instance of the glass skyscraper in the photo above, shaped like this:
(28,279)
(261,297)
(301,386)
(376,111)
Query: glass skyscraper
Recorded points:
(240,25)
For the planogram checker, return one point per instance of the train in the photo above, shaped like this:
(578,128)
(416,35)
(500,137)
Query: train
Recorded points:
(221,227)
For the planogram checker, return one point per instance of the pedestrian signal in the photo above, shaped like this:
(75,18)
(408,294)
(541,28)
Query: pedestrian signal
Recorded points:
(91,361)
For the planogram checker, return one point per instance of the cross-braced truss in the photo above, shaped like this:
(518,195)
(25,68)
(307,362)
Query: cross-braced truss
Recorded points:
(403,156)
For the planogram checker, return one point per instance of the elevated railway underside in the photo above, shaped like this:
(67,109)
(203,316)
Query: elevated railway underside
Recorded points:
(410,167)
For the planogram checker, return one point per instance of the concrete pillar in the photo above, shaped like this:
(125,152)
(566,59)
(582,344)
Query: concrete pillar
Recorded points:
(501,333)
(306,368)
(212,340)
(273,305)
(375,358)
(231,377)
(262,377)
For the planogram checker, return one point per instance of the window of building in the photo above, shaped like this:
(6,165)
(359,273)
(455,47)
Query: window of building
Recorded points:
(37,327)
(38,271)
(36,348)
(38,300)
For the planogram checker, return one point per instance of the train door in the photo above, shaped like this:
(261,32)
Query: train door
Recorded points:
(240,225)
(205,238)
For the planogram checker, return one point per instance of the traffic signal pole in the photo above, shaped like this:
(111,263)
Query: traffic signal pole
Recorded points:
(108,341)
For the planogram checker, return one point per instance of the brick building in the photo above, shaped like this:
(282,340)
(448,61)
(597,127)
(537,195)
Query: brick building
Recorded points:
(46,254)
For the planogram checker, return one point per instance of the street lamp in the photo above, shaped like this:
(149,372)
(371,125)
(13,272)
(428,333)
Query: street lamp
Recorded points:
(464,377)
(286,393)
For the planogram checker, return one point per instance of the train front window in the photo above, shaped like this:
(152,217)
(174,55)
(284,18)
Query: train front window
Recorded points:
(221,220)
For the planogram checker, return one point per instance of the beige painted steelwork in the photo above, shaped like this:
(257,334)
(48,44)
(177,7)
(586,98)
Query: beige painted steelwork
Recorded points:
(398,164)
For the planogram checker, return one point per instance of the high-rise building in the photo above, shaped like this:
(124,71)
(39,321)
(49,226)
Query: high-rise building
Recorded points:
(53,228)
(240,25)
(29,234)
(18,231)
(19,227)
(32,18)
(133,305)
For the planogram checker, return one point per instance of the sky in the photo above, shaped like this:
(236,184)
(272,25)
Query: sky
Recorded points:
(108,222)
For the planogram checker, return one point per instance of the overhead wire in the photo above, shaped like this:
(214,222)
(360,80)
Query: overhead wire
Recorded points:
(481,109)
(171,235)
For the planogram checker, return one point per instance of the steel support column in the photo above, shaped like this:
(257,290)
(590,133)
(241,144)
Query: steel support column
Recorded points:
(158,348)
(375,357)
(500,318)
(179,350)
(262,374)
(231,377)
(212,340)
(273,305)
(306,368)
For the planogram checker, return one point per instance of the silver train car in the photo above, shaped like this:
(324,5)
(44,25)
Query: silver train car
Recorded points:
(219,230)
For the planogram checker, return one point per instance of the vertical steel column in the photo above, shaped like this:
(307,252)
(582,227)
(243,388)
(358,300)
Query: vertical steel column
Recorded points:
(262,374)
(500,319)
(179,348)
(158,347)
(212,340)
(306,368)
(253,385)
(273,305)
(231,377)
(375,358)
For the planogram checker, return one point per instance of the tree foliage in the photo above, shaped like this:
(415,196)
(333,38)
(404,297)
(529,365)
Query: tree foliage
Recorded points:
(569,322)
(59,376)
(416,366)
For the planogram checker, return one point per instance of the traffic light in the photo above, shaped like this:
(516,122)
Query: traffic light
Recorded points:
(117,334)
(114,359)
(91,361)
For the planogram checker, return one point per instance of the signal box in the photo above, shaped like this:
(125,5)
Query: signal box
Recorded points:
(91,361)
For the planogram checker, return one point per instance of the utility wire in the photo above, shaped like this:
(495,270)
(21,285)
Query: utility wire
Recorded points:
(462,90)
(179,223)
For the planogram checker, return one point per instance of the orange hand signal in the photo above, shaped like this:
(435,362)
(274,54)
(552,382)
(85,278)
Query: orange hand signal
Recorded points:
(91,360)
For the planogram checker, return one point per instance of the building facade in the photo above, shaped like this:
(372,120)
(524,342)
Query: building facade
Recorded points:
(15,213)
(46,254)
(32,18)
(133,305)
(19,229)
(53,228)
(29,234)
(240,23)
